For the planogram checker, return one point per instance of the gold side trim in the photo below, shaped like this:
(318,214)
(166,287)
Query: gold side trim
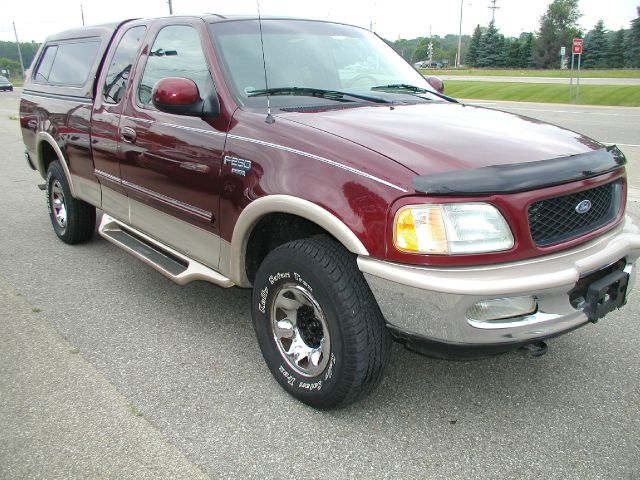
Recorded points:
(45,137)
(283,204)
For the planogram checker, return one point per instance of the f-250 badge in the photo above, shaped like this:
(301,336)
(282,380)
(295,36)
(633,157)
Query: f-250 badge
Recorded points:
(239,166)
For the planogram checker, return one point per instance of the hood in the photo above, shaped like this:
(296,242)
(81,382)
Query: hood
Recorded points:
(431,138)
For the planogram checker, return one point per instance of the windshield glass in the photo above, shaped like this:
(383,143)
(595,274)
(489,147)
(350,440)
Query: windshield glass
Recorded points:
(310,54)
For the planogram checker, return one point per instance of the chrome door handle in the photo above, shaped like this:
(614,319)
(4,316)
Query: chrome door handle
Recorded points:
(128,134)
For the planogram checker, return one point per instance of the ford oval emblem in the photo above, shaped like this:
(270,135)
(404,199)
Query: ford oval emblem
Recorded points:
(584,206)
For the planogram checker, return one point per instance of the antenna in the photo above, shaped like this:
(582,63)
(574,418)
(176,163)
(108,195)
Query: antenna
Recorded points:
(270,119)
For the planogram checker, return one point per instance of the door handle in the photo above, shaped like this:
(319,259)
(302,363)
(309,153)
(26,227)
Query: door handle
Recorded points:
(128,134)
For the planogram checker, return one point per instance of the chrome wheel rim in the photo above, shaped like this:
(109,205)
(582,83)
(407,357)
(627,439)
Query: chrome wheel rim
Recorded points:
(58,205)
(300,330)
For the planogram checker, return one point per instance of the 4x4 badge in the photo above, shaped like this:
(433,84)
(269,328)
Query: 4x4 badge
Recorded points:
(584,206)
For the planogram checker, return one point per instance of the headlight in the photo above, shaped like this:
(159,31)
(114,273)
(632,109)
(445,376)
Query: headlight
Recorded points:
(455,228)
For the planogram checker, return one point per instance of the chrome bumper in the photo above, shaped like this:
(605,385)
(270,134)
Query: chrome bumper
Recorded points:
(431,303)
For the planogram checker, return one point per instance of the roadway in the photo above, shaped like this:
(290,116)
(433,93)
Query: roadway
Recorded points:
(109,370)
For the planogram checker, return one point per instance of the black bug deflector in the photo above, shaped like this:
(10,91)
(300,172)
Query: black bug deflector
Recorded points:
(520,177)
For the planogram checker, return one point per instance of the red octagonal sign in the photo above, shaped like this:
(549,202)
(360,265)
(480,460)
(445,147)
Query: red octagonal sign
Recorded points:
(577,46)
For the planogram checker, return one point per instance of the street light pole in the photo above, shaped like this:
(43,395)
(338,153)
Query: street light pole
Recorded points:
(459,37)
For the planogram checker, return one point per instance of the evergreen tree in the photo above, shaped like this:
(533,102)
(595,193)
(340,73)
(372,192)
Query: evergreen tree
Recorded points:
(616,50)
(632,46)
(513,53)
(558,26)
(526,51)
(474,48)
(491,51)
(596,47)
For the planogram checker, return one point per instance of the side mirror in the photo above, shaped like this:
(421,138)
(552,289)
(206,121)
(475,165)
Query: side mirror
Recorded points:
(181,96)
(436,83)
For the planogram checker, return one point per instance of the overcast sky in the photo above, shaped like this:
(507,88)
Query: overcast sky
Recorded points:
(36,19)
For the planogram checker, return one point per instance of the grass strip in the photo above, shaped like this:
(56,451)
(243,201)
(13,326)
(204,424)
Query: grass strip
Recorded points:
(609,95)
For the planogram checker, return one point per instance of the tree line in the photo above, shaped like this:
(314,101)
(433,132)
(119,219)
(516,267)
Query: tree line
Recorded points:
(9,59)
(487,47)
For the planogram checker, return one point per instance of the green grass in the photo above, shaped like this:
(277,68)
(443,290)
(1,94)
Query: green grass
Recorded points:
(622,73)
(613,95)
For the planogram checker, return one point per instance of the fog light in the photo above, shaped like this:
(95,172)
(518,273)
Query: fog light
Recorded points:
(502,308)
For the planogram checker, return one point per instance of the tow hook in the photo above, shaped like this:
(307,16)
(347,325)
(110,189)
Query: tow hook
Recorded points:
(536,349)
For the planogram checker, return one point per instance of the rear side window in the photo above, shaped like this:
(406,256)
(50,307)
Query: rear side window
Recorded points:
(120,66)
(44,69)
(176,52)
(67,63)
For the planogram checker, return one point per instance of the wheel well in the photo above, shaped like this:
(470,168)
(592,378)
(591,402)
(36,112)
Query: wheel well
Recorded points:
(47,155)
(273,230)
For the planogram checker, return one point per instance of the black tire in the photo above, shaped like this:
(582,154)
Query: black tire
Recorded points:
(73,220)
(320,281)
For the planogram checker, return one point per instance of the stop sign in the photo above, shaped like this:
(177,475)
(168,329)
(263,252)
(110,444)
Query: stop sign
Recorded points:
(577,46)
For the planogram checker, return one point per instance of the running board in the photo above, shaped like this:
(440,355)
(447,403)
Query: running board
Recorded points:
(172,264)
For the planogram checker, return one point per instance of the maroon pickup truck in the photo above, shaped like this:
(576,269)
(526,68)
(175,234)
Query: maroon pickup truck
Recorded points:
(308,161)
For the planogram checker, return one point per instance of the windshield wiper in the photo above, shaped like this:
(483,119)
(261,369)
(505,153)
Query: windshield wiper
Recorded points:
(315,92)
(411,89)
(400,86)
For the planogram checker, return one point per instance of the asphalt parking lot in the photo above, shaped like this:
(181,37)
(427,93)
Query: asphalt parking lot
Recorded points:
(109,370)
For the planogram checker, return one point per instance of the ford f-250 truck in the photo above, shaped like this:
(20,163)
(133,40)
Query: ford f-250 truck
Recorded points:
(310,162)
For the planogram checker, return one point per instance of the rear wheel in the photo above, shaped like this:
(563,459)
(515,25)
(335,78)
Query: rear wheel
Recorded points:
(319,328)
(73,220)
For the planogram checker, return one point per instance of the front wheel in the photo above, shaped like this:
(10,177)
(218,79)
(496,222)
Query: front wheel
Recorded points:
(319,328)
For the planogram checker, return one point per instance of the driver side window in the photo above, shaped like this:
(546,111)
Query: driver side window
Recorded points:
(176,52)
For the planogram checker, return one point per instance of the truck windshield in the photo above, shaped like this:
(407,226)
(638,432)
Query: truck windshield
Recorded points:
(303,56)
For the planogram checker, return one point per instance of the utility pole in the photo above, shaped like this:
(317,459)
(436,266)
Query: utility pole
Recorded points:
(430,48)
(170,7)
(493,8)
(19,51)
(458,61)
(82,14)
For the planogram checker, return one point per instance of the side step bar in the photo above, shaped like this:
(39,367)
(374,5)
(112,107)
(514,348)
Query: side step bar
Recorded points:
(166,260)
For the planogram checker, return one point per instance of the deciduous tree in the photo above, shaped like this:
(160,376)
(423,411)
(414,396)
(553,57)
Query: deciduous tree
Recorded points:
(558,26)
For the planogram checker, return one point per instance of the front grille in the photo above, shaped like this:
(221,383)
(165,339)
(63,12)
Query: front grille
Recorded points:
(556,219)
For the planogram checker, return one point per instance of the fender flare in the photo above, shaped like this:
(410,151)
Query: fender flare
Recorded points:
(42,137)
(257,209)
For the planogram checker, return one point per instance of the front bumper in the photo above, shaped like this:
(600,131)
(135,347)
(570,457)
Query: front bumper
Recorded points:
(431,303)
